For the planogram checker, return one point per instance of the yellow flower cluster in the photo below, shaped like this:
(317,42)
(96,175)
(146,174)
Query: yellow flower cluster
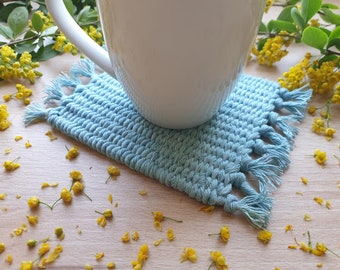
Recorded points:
(141,257)
(274,49)
(23,93)
(296,76)
(62,44)
(319,249)
(66,195)
(319,126)
(11,165)
(269,4)
(218,260)
(99,256)
(33,202)
(224,233)
(26,265)
(170,235)
(4,122)
(113,172)
(2,247)
(47,20)
(189,254)
(158,217)
(320,156)
(72,153)
(95,34)
(324,77)
(43,250)
(265,236)
(126,237)
(13,66)
(336,95)
(104,216)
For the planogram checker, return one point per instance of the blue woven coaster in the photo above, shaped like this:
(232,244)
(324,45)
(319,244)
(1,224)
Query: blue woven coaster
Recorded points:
(234,161)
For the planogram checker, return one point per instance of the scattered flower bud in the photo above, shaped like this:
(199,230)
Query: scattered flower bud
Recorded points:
(72,153)
(264,236)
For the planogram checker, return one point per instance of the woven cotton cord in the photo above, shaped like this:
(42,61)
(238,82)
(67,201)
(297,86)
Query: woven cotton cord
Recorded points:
(234,161)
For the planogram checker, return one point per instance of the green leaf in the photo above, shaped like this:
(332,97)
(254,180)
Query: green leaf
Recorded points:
(329,5)
(334,38)
(261,43)
(18,20)
(298,18)
(309,8)
(69,6)
(37,22)
(335,42)
(87,15)
(40,42)
(277,26)
(24,47)
(5,10)
(292,2)
(263,28)
(49,31)
(285,14)
(314,37)
(325,30)
(30,34)
(330,17)
(6,32)
(44,53)
(328,58)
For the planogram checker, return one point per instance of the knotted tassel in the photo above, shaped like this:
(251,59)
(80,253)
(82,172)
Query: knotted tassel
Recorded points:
(34,113)
(54,92)
(85,68)
(295,101)
(256,208)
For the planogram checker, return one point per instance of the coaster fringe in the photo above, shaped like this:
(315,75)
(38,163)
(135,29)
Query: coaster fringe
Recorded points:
(256,208)
(276,145)
(295,101)
(237,150)
(34,113)
(283,123)
(54,92)
(279,153)
(85,68)
(68,81)
(267,173)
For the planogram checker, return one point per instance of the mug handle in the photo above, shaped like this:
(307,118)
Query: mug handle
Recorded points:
(76,35)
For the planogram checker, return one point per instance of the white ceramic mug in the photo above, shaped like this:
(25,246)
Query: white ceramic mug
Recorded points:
(177,60)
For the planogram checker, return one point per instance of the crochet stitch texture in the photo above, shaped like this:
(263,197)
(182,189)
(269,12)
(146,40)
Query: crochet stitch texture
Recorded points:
(234,161)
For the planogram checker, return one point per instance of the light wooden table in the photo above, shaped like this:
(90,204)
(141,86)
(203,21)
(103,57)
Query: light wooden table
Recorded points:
(45,161)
